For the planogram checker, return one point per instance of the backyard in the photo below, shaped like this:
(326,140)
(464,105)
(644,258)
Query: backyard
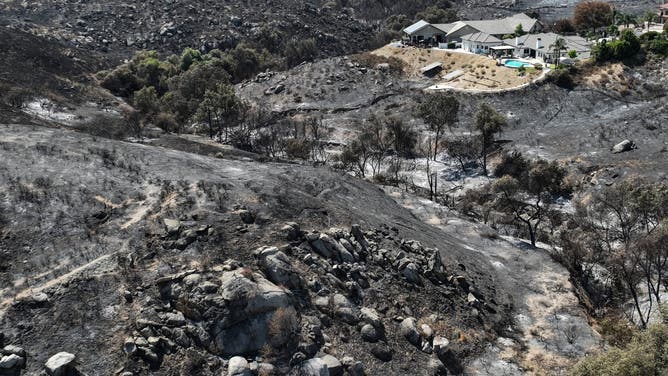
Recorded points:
(479,72)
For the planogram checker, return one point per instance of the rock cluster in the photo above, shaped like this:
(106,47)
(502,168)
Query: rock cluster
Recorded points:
(12,360)
(301,301)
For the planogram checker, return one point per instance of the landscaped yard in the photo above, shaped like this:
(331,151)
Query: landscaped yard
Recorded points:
(480,72)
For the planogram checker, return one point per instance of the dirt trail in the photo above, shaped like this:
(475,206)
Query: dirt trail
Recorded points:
(551,328)
(52,282)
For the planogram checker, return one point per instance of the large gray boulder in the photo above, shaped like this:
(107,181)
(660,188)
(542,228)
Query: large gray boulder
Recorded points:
(61,364)
(249,303)
(277,266)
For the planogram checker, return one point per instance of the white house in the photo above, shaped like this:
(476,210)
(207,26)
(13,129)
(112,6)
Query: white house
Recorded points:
(541,46)
(423,31)
(480,43)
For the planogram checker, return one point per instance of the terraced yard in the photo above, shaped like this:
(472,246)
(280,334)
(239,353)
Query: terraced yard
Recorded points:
(479,72)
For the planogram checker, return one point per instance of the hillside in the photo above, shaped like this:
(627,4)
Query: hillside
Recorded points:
(131,248)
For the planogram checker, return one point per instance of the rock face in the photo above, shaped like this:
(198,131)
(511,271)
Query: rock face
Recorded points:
(61,364)
(227,314)
(277,266)
(251,303)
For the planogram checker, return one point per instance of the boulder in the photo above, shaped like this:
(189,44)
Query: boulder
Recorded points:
(334,366)
(11,349)
(412,274)
(623,146)
(238,366)
(435,269)
(369,333)
(278,268)
(61,364)
(319,245)
(266,369)
(354,368)
(409,331)
(382,352)
(291,231)
(242,318)
(344,309)
(246,216)
(436,368)
(11,361)
(172,226)
(174,319)
(371,316)
(313,367)
(440,345)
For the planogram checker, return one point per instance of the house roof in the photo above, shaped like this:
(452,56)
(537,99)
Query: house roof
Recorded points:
(445,27)
(481,38)
(416,27)
(529,41)
(501,26)
(663,6)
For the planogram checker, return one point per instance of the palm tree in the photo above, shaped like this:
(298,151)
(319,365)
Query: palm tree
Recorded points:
(558,46)
(649,17)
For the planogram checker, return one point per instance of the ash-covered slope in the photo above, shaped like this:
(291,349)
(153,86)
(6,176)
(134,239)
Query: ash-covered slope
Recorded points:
(138,258)
(121,27)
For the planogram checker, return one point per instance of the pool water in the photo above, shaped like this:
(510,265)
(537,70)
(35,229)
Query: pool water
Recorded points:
(516,64)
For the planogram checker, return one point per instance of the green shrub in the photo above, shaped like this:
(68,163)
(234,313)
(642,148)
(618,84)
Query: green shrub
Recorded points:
(297,51)
(625,48)
(121,81)
(658,46)
(646,354)
(188,57)
(167,122)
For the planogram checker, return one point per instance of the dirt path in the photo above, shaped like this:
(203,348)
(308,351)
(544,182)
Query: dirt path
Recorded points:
(552,329)
(4,304)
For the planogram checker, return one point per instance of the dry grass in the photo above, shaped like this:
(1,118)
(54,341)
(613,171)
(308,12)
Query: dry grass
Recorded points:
(609,76)
(481,72)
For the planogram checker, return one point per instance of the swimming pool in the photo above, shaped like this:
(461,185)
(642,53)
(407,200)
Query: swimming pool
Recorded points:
(516,64)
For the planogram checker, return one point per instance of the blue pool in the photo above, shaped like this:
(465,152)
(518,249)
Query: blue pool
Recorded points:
(516,64)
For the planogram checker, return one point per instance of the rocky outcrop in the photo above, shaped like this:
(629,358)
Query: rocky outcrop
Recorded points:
(277,267)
